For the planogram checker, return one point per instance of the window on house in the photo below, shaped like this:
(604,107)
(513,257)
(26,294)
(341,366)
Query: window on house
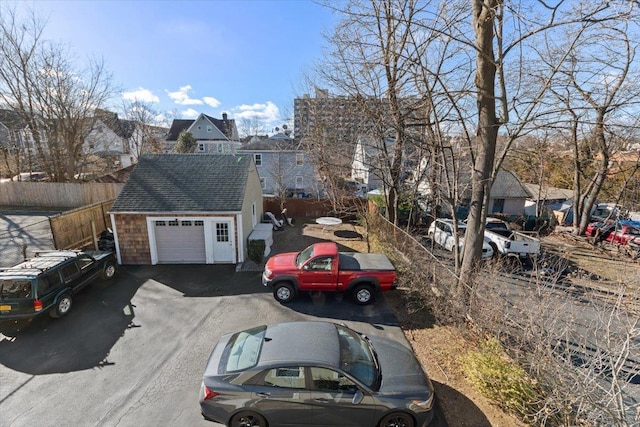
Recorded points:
(299,159)
(263,183)
(498,206)
(220,148)
(199,127)
(257,158)
(299,182)
(208,128)
(200,147)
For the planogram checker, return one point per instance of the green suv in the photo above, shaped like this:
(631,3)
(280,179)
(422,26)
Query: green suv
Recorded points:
(48,282)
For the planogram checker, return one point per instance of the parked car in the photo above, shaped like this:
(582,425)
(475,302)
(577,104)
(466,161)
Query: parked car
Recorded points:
(625,232)
(26,176)
(621,232)
(314,374)
(320,267)
(48,282)
(508,242)
(599,228)
(441,232)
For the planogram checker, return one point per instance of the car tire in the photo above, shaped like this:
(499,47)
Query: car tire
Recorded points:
(397,419)
(363,294)
(247,419)
(496,254)
(62,307)
(109,271)
(284,292)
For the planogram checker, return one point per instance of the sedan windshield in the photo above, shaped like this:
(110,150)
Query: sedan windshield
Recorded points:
(357,357)
(304,256)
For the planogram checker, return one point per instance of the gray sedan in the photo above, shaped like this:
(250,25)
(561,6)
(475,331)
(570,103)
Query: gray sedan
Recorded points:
(314,374)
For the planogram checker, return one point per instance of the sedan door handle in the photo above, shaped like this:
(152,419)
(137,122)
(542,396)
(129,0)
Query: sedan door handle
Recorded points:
(322,400)
(263,394)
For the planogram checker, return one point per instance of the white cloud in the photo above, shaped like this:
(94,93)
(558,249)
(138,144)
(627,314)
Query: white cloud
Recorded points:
(141,94)
(268,112)
(211,101)
(189,113)
(181,96)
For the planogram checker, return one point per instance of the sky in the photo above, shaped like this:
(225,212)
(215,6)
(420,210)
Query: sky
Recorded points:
(245,58)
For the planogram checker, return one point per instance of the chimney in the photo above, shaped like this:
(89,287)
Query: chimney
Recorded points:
(224,116)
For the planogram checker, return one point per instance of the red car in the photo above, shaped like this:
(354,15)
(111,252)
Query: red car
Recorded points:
(625,232)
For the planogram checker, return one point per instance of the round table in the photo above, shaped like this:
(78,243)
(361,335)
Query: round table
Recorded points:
(328,221)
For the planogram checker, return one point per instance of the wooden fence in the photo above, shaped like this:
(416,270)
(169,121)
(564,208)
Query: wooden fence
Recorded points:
(308,207)
(57,194)
(79,227)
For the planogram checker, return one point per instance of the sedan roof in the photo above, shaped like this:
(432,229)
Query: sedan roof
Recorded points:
(302,343)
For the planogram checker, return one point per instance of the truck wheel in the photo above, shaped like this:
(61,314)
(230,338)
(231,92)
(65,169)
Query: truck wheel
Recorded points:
(284,292)
(496,254)
(62,307)
(363,294)
(109,271)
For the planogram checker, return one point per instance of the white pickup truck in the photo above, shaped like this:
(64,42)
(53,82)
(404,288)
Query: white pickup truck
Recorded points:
(505,241)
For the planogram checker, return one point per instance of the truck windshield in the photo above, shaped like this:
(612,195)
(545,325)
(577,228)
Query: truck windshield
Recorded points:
(304,256)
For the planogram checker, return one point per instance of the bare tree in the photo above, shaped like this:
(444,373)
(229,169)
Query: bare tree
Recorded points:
(41,81)
(148,133)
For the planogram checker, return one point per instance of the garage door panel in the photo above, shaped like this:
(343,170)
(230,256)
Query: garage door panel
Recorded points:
(180,241)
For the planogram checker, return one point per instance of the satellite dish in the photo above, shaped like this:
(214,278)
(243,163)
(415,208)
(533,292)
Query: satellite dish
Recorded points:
(284,127)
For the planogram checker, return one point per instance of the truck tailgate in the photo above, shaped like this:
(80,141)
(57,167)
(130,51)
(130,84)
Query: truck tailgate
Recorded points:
(354,261)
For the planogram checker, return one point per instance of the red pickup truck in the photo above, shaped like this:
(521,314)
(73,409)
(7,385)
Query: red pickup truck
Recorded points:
(320,267)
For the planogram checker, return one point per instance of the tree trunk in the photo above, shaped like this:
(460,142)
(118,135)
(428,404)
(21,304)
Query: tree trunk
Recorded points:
(486,135)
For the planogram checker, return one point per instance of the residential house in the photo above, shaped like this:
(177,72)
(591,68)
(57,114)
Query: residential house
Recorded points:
(214,136)
(284,167)
(187,208)
(366,167)
(508,195)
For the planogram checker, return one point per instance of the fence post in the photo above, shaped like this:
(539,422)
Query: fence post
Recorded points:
(93,235)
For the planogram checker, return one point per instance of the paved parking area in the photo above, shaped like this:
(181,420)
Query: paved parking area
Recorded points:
(132,351)
(23,231)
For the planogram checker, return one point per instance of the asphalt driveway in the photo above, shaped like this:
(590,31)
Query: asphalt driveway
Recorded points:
(132,351)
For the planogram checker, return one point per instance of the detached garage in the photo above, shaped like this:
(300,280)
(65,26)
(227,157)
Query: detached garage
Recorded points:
(187,209)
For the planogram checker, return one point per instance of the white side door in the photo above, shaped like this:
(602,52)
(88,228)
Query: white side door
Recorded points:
(224,250)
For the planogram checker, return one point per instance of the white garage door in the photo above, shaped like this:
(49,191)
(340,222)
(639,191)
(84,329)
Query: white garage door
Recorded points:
(180,241)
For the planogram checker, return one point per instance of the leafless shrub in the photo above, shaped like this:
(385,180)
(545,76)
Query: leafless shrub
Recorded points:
(580,343)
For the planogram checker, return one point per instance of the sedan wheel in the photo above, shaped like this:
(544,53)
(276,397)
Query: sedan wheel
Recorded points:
(397,419)
(248,419)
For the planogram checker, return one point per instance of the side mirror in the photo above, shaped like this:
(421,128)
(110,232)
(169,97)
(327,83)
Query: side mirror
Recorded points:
(357,398)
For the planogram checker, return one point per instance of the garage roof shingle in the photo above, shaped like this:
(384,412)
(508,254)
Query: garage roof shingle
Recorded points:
(185,183)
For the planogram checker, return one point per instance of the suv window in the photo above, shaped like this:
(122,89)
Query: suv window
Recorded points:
(84,261)
(47,282)
(15,288)
(69,271)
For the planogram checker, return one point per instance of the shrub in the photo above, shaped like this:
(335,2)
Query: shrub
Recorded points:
(500,379)
(256,250)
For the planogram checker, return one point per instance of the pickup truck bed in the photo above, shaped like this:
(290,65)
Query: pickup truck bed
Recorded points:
(355,261)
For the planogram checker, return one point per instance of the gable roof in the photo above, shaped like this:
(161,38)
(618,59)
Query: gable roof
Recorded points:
(185,183)
(12,120)
(548,193)
(508,186)
(177,126)
(225,126)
